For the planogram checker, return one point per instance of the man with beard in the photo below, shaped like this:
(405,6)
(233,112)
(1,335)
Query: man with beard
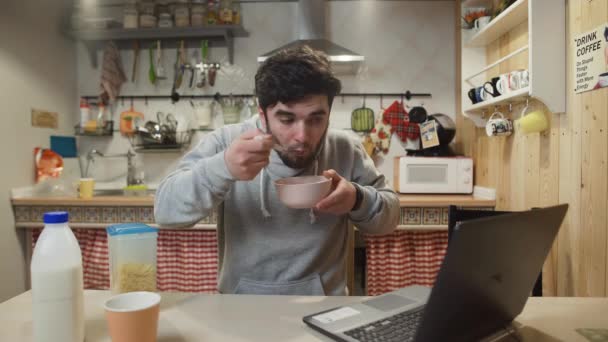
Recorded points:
(265,247)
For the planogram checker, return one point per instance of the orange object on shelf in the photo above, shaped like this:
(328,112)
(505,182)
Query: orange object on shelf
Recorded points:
(127,119)
(49,164)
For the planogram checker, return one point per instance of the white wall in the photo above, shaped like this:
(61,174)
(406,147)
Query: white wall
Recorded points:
(37,70)
(407,45)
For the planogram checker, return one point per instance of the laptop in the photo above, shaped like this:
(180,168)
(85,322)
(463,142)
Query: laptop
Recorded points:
(483,284)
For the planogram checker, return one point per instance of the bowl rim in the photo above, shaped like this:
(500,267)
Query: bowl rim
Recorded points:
(320,181)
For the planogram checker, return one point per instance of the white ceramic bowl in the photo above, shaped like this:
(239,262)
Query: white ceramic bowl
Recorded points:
(302,192)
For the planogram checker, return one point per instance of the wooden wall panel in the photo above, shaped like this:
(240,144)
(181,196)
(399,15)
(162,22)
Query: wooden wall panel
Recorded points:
(566,164)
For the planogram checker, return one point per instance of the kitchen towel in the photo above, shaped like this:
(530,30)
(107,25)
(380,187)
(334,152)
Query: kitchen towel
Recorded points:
(381,136)
(396,116)
(112,72)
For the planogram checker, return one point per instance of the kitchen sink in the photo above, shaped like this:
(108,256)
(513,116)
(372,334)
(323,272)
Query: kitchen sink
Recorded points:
(118,192)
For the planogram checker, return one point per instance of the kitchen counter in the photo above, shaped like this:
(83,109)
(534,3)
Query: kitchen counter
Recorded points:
(421,238)
(196,317)
(404,200)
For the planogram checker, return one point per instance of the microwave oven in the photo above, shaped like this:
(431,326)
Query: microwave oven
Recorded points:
(433,175)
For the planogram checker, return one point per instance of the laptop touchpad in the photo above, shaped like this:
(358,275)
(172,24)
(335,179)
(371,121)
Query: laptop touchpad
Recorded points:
(388,302)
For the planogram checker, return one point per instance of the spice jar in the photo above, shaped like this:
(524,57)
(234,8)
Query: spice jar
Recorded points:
(212,12)
(236,13)
(226,12)
(182,15)
(164,20)
(198,14)
(130,17)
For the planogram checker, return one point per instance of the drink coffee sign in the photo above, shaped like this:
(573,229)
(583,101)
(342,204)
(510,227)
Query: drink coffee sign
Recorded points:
(591,59)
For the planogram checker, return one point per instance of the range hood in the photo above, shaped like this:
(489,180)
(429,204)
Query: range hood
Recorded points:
(311,32)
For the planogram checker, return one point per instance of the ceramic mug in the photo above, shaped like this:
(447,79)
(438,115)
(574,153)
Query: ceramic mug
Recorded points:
(603,80)
(498,125)
(481,22)
(203,114)
(533,122)
(477,94)
(519,79)
(495,87)
(86,187)
(472,95)
(481,94)
(503,79)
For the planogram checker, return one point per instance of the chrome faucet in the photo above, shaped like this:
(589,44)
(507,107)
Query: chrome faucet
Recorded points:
(131,179)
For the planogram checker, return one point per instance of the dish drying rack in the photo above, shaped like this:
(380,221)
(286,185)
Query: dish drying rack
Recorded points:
(161,142)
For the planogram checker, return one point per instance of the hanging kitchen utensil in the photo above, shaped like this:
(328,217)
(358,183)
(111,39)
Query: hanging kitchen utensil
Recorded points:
(202,74)
(151,71)
(192,69)
(135,60)
(174,94)
(181,65)
(160,69)
(213,72)
(362,119)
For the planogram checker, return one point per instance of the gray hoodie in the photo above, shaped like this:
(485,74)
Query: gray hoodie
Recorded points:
(265,247)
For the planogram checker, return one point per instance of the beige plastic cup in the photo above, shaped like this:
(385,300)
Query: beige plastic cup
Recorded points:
(86,187)
(133,316)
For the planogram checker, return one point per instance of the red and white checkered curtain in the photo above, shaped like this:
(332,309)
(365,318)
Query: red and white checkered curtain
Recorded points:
(403,258)
(186,259)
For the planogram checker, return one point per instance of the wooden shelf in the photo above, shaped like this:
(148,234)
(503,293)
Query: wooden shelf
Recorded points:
(546,20)
(92,37)
(479,112)
(159,33)
(503,23)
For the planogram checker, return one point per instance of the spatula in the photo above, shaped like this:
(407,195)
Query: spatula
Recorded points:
(151,71)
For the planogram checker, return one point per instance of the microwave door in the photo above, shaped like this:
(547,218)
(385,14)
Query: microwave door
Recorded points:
(428,178)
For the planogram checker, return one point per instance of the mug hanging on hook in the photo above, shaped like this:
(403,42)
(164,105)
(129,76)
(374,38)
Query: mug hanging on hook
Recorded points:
(498,125)
(533,122)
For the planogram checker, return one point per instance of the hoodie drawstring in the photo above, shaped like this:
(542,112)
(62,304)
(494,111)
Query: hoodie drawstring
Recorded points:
(265,211)
(313,217)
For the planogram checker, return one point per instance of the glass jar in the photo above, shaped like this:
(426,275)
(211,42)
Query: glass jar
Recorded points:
(236,13)
(212,12)
(146,20)
(130,17)
(165,20)
(182,15)
(225,13)
(148,8)
(198,14)
(162,8)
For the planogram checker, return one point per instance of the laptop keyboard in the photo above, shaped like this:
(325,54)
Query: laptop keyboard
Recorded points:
(400,327)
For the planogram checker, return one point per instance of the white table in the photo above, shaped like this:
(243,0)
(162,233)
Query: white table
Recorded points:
(197,317)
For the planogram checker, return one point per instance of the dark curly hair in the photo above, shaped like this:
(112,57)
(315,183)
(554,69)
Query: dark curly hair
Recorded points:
(293,74)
